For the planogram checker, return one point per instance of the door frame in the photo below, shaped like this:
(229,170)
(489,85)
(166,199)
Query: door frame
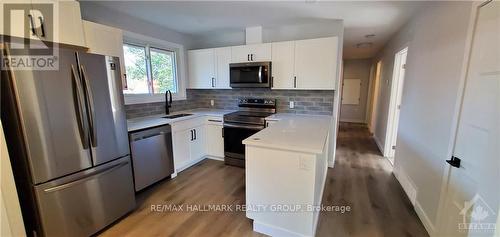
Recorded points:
(397,85)
(374,95)
(438,228)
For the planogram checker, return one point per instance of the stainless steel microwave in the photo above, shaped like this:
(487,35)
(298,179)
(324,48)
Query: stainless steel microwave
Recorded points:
(252,74)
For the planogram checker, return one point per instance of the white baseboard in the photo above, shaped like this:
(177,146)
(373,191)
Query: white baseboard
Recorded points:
(215,158)
(274,230)
(379,145)
(431,230)
(406,183)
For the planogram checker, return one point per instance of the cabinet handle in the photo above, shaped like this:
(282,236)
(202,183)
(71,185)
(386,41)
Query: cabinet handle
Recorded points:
(295,82)
(42,25)
(213,81)
(191,134)
(194,134)
(251,57)
(32,24)
(248,57)
(222,131)
(272,82)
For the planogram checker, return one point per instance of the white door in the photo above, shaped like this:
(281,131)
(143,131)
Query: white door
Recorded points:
(395,103)
(473,193)
(222,61)
(376,89)
(316,63)
(283,58)
(251,53)
(214,140)
(201,67)
(181,142)
(197,146)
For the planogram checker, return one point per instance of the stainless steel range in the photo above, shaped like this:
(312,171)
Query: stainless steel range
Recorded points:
(242,124)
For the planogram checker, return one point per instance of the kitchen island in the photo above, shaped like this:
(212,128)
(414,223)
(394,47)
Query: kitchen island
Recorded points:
(286,166)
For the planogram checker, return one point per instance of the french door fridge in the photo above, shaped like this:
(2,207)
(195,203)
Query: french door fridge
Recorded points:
(67,139)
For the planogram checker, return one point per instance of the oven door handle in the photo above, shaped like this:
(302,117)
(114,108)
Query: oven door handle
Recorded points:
(251,127)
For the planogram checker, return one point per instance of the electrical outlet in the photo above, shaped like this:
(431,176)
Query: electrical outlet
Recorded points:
(212,103)
(292,104)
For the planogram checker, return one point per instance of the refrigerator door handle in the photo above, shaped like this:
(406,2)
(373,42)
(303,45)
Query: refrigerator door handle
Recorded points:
(89,176)
(81,114)
(91,112)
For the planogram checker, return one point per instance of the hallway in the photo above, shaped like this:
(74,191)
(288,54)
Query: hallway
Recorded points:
(363,180)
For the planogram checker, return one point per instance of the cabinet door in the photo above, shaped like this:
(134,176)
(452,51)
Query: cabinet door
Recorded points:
(18,19)
(181,145)
(316,63)
(105,40)
(201,66)
(70,23)
(214,140)
(197,146)
(223,59)
(253,52)
(283,56)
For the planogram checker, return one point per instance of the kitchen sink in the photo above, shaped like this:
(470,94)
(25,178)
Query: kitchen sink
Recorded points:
(176,116)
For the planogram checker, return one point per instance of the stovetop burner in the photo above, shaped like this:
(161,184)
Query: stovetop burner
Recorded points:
(252,111)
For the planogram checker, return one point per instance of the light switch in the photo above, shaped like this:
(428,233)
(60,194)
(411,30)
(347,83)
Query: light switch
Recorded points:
(292,104)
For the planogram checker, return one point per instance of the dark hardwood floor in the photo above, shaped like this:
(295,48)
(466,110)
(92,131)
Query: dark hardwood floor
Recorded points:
(361,179)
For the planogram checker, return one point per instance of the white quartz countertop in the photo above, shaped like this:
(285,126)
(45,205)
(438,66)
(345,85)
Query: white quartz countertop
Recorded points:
(301,133)
(157,120)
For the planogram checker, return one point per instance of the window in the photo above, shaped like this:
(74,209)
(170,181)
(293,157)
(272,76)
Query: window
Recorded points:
(149,70)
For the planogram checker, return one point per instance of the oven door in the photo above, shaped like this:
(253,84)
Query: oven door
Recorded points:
(243,75)
(234,134)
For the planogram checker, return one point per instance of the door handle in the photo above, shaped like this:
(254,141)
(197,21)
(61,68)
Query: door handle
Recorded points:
(85,178)
(42,27)
(32,24)
(91,112)
(454,161)
(81,114)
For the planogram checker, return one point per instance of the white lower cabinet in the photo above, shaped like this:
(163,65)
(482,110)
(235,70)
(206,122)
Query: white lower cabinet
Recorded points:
(215,141)
(188,138)
(195,139)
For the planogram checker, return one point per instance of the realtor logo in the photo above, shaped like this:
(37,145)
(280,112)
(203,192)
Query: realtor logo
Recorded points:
(29,32)
(477,216)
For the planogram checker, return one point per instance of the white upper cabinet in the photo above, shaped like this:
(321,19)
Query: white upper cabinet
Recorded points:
(209,68)
(106,40)
(223,59)
(283,57)
(201,67)
(316,63)
(47,20)
(251,53)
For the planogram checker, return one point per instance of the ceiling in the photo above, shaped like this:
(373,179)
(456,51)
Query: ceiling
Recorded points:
(200,19)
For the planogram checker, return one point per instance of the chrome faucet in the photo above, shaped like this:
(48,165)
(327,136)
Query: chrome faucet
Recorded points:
(168,101)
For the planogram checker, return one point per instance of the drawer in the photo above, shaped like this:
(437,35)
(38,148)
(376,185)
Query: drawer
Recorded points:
(214,120)
(187,123)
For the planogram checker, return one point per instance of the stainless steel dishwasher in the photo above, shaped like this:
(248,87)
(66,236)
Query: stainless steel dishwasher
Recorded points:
(152,156)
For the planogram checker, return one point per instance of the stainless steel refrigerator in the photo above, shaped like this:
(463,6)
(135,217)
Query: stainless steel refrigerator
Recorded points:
(67,139)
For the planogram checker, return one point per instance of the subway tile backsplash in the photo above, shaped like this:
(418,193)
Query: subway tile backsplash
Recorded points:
(306,101)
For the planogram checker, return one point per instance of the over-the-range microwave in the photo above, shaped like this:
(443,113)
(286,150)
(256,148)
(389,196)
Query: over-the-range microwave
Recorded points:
(251,74)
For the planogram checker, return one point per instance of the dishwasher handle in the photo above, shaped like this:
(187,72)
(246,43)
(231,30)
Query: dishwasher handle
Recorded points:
(149,136)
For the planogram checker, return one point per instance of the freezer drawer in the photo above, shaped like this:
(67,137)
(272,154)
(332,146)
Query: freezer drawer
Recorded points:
(152,155)
(86,202)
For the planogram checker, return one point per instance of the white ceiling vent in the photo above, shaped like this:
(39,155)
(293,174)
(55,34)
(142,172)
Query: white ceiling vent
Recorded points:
(253,35)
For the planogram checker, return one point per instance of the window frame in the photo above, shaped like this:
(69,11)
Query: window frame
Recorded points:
(180,71)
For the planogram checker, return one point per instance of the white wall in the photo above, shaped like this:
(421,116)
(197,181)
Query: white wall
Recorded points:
(357,69)
(436,37)
(102,15)
(231,37)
